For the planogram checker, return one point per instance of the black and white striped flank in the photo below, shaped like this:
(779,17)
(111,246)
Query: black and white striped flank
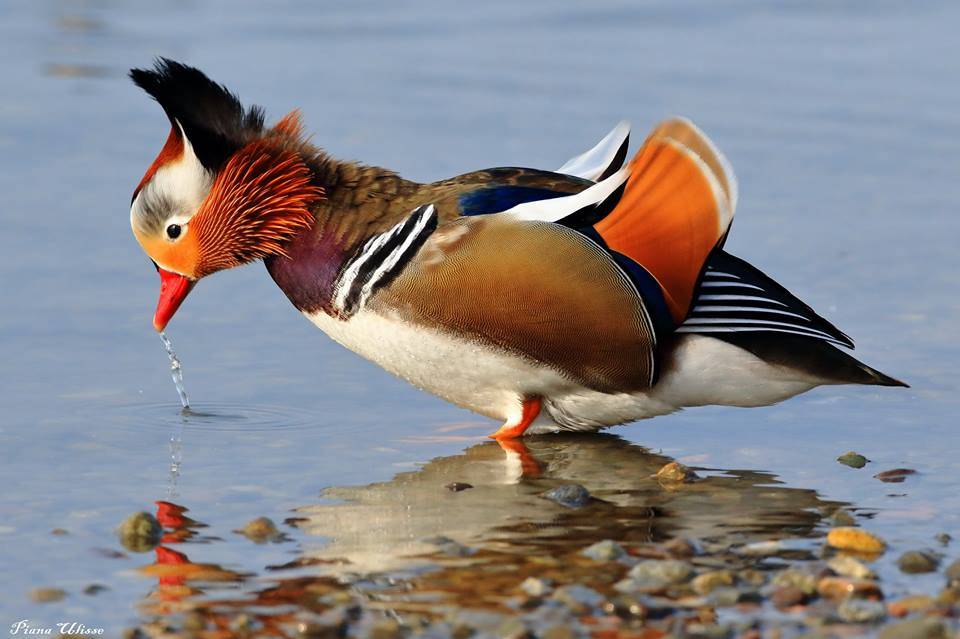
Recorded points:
(737,297)
(381,259)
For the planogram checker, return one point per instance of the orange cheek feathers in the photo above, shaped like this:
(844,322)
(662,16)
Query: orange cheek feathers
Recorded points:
(181,256)
(259,201)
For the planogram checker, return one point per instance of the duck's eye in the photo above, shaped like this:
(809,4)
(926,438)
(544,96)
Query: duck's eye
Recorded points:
(173,231)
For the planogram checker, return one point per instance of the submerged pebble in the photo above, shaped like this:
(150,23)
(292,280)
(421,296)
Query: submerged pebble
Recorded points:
(579,599)
(675,473)
(140,532)
(680,548)
(569,496)
(908,605)
(726,596)
(317,630)
(709,581)
(793,578)
(788,597)
(752,577)
(855,539)
(949,596)
(385,629)
(847,566)
(839,588)
(923,628)
(917,561)
(842,517)
(47,595)
(671,571)
(448,546)
(261,530)
(761,549)
(709,631)
(853,460)
(467,622)
(606,550)
(641,585)
(895,476)
(953,571)
(513,628)
(861,611)
(558,631)
(535,587)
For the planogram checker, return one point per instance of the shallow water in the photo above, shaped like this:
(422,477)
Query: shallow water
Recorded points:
(840,120)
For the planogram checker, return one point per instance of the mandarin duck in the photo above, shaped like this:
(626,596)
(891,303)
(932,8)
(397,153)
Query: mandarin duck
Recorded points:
(569,300)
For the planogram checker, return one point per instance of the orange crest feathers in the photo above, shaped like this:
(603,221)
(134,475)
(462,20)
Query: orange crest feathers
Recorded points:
(259,202)
(290,125)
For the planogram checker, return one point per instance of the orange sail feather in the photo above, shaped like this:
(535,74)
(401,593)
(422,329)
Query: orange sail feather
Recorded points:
(677,205)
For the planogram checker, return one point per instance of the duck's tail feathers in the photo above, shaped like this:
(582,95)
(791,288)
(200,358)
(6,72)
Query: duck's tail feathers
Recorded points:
(813,358)
(877,378)
(736,297)
(676,207)
(739,304)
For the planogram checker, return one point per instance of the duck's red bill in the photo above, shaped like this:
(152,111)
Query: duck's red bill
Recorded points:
(173,290)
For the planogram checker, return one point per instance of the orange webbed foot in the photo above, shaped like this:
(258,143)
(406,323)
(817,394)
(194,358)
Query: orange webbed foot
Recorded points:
(529,411)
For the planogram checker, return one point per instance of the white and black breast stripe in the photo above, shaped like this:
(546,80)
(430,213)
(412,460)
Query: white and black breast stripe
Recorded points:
(726,303)
(381,259)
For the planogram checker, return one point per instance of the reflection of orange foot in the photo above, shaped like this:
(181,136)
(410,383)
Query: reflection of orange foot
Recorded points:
(530,408)
(529,466)
(168,557)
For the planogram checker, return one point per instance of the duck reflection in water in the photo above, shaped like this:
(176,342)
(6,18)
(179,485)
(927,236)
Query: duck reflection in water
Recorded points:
(473,546)
(387,525)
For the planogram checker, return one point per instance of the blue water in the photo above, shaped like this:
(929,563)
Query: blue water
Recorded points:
(841,121)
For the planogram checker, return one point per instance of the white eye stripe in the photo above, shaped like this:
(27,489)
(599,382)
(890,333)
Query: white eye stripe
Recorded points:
(173,194)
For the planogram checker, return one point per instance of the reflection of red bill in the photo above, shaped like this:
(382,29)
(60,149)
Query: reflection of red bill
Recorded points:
(170,515)
(173,289)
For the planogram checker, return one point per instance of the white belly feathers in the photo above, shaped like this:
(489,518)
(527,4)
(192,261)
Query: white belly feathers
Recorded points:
(703,370)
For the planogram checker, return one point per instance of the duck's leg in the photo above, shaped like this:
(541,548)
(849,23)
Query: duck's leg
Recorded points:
(530,408)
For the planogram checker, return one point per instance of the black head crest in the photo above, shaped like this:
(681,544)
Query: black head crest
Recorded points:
(214,121)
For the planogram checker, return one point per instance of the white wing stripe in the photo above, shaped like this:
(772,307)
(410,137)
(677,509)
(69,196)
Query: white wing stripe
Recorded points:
(592,164)
(744,298)
(758,329)
(722,283)
(702,321)
(557,208)
(744,309)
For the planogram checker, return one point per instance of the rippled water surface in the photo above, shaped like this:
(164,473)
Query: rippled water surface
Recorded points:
(841,120)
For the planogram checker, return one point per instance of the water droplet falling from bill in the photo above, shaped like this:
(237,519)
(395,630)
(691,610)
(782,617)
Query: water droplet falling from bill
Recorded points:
(176,371)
